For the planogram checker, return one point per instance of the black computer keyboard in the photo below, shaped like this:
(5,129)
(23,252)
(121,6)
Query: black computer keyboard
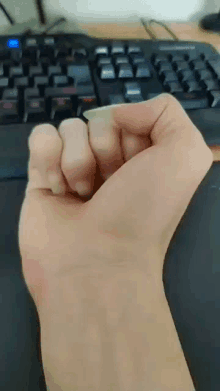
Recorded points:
(50,78)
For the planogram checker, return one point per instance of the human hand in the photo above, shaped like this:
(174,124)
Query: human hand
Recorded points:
(156,158)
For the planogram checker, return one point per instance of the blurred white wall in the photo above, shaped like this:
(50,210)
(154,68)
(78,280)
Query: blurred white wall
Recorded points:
(91,11)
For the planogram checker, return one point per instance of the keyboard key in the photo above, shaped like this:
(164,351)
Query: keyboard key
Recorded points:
(192,100)
(176,57)
(61,52)
(60,80)
(104,61)
(197,64)
(16,71)
(80,73)
(54,70)
(192,86)
(45,62)
(1,70)
(125,71)
(179,66)
(214,97)
(31,93)
(35,110)
(5,55)
(210,84)
(9,111)
(137,59)
(10,94)
(203,74)
(101,50)
(152,95)
(164,66)
(31,42)
(21,81)
(157,58)
(115,99)
(47,52)
(41,80)
(132,88)
(86,103)
(79,54)
(16,56)
(133,92)
(50,41)
(186,75)
(86,89)
(4,81)
(192,55)
(30,56)
(107,72)
(167,76)
(61,108)
(135,99)
(60,91)
(143,70)
(173,87)
(36,70)
(133,48)
(117,48)
(121,60)
(212,57)
(215,66)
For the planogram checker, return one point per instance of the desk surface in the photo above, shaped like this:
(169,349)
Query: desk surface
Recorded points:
(184,31)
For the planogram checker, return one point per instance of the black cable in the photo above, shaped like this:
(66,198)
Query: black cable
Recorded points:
(56,23)
(153,36)
(7,14)
(39,6)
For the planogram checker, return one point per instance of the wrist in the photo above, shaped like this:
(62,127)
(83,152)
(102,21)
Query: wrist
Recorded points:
(122,333)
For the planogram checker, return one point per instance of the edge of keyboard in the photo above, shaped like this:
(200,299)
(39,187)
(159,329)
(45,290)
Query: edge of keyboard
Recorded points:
(102,81)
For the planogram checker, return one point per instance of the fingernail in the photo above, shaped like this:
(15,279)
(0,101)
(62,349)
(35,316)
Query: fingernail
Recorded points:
(83,188)
(89,114)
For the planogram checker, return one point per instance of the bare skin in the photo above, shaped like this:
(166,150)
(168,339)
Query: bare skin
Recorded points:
(93,265)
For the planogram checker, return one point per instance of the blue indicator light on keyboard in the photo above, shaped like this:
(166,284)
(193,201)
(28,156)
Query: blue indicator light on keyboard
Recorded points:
(13,43)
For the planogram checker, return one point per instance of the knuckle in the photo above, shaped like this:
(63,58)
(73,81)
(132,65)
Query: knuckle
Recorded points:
(40,129)
(101,151)
(101,146)
(69,121)
(50,144)
(170,99)
(207,156)
(69,164)
(200,154)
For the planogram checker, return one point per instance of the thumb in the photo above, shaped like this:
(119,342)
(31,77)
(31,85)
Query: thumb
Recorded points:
(147,196)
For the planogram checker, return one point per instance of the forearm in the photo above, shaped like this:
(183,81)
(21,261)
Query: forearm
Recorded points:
(124,340)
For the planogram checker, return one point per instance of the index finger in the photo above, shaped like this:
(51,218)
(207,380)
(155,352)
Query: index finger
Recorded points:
(145,117)
(161,120)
